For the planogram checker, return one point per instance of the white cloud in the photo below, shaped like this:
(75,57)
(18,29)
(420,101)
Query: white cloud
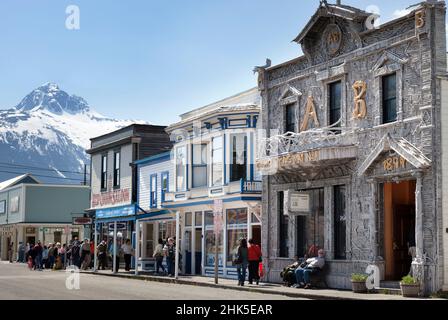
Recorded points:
(401,13)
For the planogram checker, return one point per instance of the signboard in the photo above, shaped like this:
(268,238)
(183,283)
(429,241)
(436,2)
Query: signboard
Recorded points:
(82,221)
(2,206)
(30,230)
(217,216)
(111,197)
(120,226)
(14,204)
(115,212)
(297,203)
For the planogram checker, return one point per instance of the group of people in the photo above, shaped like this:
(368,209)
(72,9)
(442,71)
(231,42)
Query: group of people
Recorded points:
(298,274)
(55,256)
(248,257)
(165,249)
(106,252)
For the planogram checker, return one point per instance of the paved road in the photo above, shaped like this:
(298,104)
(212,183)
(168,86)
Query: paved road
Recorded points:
(18,282)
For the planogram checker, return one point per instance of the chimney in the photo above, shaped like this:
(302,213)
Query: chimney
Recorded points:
(338,2)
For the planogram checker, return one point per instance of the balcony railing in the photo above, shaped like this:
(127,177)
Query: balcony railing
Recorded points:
(251,186)
(317,138)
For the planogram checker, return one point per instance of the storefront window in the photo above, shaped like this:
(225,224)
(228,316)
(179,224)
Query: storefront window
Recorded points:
(310,228)
(188,219)
(149,247)
(236,230)
(198,217)
(208,218)
(167,229)
(210,248)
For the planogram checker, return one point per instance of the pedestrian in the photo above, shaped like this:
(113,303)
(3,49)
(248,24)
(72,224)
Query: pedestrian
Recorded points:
(38,256)
(128,252)
(254,257)
(75,253)
(62,251)
(117,257)
(158,254)
(10,252)
(51,255)
(45,253)
(31,257)
(102,255)
(85,254)
(21,252)
(27,251)
(170,253)
(241,261)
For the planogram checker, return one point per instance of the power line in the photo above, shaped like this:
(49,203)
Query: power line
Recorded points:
(5,164)
(43,176)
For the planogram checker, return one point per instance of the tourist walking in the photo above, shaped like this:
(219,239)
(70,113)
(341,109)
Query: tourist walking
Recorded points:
(85,255)
(21,252)
(170,252)
(102,255)
(45,262)
(241,261)
(158,254)
(128,252)
(254,257)
(38,256)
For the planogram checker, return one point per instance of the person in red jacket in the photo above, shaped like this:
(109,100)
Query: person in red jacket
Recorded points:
(254,257)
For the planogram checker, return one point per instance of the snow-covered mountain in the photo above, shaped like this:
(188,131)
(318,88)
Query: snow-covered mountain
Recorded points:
(50,129)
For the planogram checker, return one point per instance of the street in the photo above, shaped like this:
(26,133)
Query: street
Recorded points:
(19,283)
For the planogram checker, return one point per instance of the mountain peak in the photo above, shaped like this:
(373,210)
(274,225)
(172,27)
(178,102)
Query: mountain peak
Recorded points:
(51,98)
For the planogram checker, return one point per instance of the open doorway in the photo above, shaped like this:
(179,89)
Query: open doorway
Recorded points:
(399,228)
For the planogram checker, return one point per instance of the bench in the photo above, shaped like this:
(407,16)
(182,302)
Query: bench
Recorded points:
(318,279)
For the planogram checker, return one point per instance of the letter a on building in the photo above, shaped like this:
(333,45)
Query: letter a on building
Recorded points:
(309,112)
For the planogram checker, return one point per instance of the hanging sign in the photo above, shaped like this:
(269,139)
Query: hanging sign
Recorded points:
(82,221)
(297,203)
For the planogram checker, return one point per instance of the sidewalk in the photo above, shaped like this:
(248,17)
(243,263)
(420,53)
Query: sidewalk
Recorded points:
(269,288)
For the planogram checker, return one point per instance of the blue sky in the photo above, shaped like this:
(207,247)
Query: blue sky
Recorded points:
(150,59)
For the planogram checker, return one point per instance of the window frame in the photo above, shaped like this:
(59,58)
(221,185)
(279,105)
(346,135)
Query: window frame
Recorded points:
(331,100)
(288,109)
(232,159)
(184,169)
(117,172)
(153,191)
(163,191)
(3,203)
(340,227)
(202,165)
(104,165)
(384,100)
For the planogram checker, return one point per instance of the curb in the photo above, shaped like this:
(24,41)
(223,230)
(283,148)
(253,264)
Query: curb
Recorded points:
(222,286)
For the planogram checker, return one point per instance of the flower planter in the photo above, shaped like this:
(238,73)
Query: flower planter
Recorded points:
(359,286)
(410,290)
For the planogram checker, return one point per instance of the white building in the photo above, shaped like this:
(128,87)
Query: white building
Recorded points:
(155,179)
(214,156)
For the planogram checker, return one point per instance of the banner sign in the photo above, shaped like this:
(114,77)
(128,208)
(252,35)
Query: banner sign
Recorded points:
(115,212)
(82,221)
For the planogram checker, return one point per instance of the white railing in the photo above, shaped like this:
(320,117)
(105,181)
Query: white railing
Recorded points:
(307,140)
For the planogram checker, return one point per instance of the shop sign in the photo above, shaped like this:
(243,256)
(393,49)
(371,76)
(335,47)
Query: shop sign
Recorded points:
(110,198)
(115,212)
(30,230)
(82,221)
(120,226)
(299,202)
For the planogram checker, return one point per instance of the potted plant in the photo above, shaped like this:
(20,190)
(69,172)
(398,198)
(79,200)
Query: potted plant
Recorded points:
(359,282)
(409,287)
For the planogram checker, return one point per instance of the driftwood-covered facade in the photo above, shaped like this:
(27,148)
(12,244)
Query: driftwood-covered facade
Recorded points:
(354,126)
